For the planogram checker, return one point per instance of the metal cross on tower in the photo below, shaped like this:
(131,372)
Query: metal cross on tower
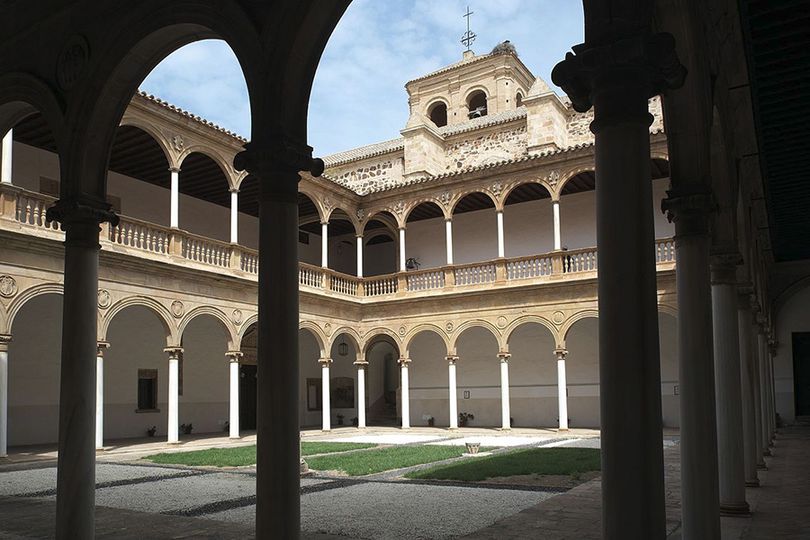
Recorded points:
(469,36)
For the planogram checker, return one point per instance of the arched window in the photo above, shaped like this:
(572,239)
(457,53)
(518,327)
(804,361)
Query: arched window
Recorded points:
(518,99)
(477,104)
(438,114)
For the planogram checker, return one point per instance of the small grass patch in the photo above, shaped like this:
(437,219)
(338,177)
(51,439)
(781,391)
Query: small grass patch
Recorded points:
(244,455)
(558,461)
(384,459)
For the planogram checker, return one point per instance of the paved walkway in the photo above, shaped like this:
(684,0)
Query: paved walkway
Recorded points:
(138,500)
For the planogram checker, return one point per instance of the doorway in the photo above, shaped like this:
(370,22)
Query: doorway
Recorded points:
(247,397)
(801,372)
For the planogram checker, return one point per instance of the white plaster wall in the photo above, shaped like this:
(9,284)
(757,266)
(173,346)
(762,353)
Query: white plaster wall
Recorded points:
(33,371)
(137,339)
(478,371)
(206,376)
(308,368)
(428,378)
(794,316)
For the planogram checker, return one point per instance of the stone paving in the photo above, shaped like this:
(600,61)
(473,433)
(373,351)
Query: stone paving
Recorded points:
(138,500)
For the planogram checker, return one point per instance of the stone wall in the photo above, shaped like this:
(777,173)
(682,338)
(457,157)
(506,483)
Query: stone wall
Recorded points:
(579,130)
(369,176)
(489,147)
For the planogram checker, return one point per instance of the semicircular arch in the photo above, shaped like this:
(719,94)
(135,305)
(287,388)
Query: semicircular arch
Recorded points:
(316,332)
(351,333)
(375,334)
(531,319)
(149,128)
(460,197)
(573,319)
(477,323)
(161,312)
(29,294)
(211,311)
(420,329)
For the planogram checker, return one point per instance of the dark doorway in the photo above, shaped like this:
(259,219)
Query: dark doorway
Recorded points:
(247,397)
(801,372)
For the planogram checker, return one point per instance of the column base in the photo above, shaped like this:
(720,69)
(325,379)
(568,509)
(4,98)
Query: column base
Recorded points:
(405,428)
(735,509)
(503,429)
(563,429)
(452,429)
(304,468)
(99,449)
(752,483)
(172,442)
(771,444)
(234,438)
(326,430)
(767,452)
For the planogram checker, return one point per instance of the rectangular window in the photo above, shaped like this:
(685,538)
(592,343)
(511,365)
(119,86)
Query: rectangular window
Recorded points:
(314,394)
(147,389)
(303,237)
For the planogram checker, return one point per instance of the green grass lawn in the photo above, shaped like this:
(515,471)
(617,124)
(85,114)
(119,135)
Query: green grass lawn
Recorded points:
(561,461)
(245,455)
(384,459)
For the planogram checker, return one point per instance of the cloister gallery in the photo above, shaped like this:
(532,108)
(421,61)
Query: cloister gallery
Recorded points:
(451,270)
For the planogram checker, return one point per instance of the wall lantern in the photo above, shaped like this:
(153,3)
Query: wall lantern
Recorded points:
(343,348)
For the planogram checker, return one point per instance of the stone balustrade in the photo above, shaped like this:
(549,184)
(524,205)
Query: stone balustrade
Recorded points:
(24,212)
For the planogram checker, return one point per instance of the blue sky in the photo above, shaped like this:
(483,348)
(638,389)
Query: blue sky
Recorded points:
(359,93)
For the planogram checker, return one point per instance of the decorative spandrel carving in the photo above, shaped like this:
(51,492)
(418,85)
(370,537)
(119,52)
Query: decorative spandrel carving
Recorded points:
(178,309)
(8,286)
(104,299)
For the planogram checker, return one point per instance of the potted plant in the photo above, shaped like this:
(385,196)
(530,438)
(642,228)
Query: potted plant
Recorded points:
(465,418)
(150,432)
(472,447)
(340,419)
(186,429)
(431,421)
(355,422)
(226,426)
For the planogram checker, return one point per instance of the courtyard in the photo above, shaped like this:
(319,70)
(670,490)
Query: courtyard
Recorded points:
(137,498)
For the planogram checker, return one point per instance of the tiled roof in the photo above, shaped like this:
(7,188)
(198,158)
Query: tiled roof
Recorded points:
(364,152)
(183,112)
(445,69)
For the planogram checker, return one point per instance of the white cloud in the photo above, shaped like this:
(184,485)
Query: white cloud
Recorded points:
(359,97)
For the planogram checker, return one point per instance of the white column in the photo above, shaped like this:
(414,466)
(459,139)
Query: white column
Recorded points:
(361,393)
(360,256)
(745,328)
(5,158)
(4,341)
(501,246)
(233,416)
(557,234)
(326,413)
(402,249)
(451,378)
(325,245)
(406,394)
(562,388)
(100,394)
(174,388)
(448,233)
(174,219)
(234,216)
(505,421)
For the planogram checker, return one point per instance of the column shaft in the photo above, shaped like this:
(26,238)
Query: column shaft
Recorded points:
(453,390)
(699,470)
(745,325)
(501,243)
(325,245)
(4,340)
(6,157)
(505,412)
(630,376)
(448,240)
(730,440)
(361,394)
(562,389)
(100,395)
(402,258)
(174,217)
(75,483)
(359,256)
(762,350)
(757,380)
(174,398)
(406,394)
(233,387)
(557,226)
(326,412)
(234,217)
(278,454)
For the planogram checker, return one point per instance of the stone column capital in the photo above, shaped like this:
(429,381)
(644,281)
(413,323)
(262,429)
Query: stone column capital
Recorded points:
(403,361)
(325,362)
(234,356)
(689,210)
(5,339)
(724,267)
(361,364)
(174,169)
(275,154)
(560,353)
(452,359)
(504,356)
(102,346)
(174,352)
(234,190)
(640,59)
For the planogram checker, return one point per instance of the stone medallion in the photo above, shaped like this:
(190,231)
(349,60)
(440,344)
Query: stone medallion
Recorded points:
(8,286)
(72,62)
(327,328)
(449,327)
(178,309)
(104,299)
(402,330)
(236,317)
(558,317)
(502,322)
